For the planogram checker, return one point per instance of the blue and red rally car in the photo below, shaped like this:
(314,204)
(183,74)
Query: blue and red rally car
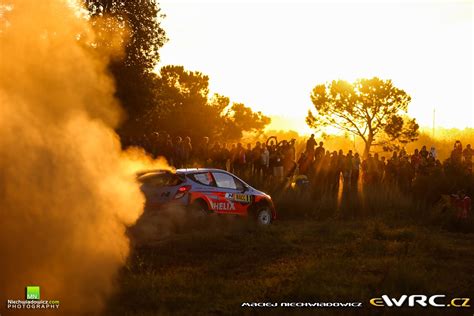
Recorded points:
(206,191)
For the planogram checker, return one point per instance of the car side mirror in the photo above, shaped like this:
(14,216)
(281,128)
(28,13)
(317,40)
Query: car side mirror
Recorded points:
(245,189)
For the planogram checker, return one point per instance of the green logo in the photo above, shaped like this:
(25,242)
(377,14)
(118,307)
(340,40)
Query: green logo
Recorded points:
(32,292)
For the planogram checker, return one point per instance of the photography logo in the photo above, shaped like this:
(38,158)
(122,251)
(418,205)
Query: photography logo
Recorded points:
(32,292)
(32,300)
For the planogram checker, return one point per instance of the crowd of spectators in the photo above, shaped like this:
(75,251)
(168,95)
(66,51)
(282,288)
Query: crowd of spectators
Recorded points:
(273,159)
(331,168)
(273,162)
(270,159)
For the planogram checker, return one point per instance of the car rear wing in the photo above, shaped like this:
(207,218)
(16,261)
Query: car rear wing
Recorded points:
(158,171)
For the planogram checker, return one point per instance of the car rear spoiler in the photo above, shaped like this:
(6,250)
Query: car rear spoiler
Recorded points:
(141,173)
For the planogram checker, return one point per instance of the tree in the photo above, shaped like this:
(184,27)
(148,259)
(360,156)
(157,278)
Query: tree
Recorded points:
(366,108)
(239,118)
(175,100)
(140,20)
(137,24)
(183,107)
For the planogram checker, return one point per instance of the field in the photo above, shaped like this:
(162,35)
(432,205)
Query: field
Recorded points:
(313,253)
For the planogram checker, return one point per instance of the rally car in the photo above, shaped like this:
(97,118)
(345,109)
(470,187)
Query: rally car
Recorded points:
(205,191)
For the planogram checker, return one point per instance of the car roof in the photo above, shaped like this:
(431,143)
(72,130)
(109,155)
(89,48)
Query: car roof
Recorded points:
(195,170)
(185,171)
(154,171)
(178,171)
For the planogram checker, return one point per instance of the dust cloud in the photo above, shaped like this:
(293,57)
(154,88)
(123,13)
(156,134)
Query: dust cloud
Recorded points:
(67,191)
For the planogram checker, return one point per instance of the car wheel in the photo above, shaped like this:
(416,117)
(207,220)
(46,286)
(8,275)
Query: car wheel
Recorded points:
(264,216)
(199,209)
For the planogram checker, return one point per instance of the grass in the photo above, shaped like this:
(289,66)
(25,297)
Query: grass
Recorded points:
(214,270)
(326,246)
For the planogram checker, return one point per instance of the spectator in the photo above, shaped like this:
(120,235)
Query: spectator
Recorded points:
(257,159)
(377,169)
(239,159)
(402,153)
(303,164)
(292,149)
(355,169)
(310,144)
(201,154)
(319,152)
(265,160)
(424,152)
(178,152)
(334,171)
(248,160)
(187,148)
(232,157)
(348,165)
(391,169)
(168,149)
(456,154)
(381,169)
(224,157)
(467,153)
(415,160)
(215,156)
(405,174)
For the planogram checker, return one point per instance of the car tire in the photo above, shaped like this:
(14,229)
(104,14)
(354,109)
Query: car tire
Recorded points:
(264,216)
(199,209)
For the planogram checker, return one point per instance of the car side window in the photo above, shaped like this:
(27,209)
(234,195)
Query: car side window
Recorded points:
(161,180)
(224,180)
(240,186)
(203,178)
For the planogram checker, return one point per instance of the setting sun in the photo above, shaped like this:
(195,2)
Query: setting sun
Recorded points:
(269,55)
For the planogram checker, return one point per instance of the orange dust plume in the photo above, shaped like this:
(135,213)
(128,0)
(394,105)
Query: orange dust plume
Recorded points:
(67,192)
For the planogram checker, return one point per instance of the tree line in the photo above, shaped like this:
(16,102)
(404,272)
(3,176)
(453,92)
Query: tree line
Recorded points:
(175,100)
(178,101)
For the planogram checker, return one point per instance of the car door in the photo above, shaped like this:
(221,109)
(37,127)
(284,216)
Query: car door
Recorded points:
(204,187)
(232,192)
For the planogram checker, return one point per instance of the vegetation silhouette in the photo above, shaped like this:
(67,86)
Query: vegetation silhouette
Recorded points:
(184,107)
(366,108)
(176,100)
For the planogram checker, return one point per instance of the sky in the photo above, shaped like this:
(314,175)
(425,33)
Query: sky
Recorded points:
(270,54)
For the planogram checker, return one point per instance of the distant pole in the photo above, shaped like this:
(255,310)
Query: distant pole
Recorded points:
(433,130)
